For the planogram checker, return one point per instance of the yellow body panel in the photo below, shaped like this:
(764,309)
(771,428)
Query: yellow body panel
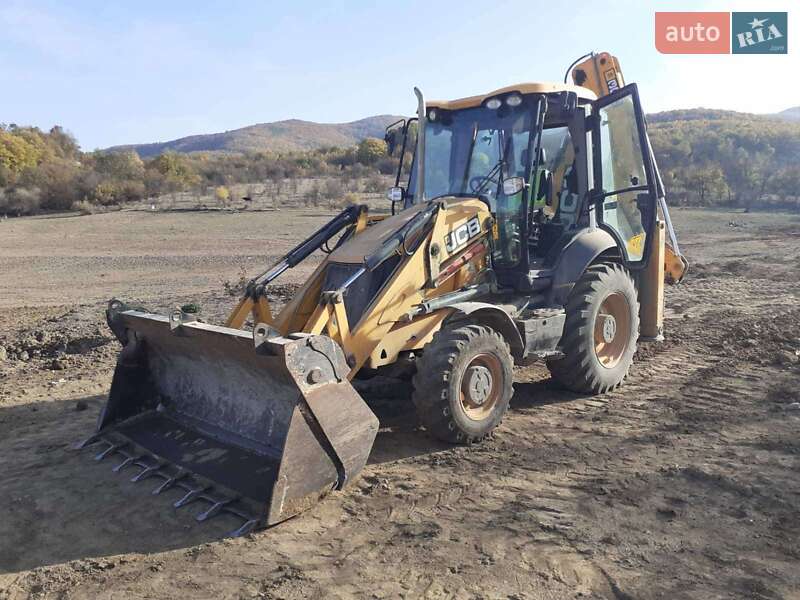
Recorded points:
(599,73)
(449,258)
(523,88)
(651,289)
(366,241)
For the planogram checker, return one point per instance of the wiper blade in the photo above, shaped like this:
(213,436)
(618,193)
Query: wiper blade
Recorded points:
(501,163)
(488,177)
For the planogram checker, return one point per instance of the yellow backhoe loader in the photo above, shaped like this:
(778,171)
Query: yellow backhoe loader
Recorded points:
(527,224)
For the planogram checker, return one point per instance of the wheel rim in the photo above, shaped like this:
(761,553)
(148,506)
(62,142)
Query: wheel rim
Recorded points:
(612,329)
(480,386)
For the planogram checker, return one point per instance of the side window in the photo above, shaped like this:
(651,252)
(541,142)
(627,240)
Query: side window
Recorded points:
(485,153)
(437,161)
(623,175)
(408,157)
(559,160)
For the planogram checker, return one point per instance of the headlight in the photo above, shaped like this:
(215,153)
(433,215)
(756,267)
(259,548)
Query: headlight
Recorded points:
(493,103)
(514,100)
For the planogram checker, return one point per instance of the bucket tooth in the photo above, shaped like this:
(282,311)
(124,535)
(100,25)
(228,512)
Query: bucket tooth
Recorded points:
(147,472)
(214,509)
(110,450)
(89,441)
(191,496)
(248,527)
(127,462)
(170,481)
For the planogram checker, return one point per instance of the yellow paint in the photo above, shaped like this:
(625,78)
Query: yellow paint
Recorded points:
(522,88)
(603,74)
(651,288)
(636,245)
(381,329)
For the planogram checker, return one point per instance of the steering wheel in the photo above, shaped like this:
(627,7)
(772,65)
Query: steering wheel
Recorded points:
(479,181)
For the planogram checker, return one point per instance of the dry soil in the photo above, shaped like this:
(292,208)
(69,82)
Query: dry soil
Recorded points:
(684,483)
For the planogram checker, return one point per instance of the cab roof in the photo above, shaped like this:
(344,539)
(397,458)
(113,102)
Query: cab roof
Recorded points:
(523,88)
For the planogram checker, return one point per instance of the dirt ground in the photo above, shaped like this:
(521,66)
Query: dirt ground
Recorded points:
(685,483)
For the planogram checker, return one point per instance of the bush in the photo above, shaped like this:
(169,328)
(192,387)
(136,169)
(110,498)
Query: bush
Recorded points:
(387,166)
(222,195)
(84,207)
(313,196)
(375,185)
(334,190)
(349,200)
(20,201)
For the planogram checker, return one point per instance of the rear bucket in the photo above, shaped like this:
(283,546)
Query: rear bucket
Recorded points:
(251,425)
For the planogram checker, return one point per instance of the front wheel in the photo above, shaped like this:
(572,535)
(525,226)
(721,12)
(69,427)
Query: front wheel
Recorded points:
(463,383)
(600,331)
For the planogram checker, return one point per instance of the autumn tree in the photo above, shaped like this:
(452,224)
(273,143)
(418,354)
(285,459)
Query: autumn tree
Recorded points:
(222,195)
(370,151)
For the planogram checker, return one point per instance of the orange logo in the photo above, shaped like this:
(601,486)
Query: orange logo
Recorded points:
(693,32)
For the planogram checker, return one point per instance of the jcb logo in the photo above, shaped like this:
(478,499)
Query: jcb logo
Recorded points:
(462,234)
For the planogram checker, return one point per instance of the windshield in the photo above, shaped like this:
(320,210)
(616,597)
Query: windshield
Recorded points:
(469,152)
(466,150)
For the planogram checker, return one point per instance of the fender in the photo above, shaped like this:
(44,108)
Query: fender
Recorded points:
(580,252)
(493,316)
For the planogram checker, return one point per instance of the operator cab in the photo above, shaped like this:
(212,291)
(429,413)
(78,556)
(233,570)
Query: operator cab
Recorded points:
(537,154)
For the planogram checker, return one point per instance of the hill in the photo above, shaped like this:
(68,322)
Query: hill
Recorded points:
(280,136)
(715,114)
(790,114)
(710,157)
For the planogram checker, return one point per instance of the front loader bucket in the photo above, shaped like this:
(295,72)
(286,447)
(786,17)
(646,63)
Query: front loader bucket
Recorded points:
(257,426)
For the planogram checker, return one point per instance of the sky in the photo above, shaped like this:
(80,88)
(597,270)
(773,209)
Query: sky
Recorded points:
(134,72)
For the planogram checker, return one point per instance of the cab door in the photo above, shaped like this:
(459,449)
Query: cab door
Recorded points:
(624,197)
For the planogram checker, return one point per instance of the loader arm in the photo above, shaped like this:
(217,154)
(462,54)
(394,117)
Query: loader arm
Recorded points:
(254,299)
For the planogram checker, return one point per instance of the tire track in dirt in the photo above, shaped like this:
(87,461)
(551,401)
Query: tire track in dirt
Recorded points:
(683,483)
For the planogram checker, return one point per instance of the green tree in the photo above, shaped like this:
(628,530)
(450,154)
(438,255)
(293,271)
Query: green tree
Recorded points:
(175,170)
(119,165)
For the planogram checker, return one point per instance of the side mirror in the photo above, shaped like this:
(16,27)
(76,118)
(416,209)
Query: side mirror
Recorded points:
(391,136)
(547,188)
(513,185)
(396,194)
(391,141)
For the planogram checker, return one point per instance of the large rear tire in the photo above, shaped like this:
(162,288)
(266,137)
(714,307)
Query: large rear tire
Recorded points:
(600,332)
(463,383)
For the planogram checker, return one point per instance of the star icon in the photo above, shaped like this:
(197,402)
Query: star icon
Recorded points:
(757,23)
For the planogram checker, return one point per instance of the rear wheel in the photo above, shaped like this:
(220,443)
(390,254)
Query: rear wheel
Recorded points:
(600,332)
(463,383)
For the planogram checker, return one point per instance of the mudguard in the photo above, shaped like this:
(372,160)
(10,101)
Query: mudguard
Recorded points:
(580,252)
(496,318)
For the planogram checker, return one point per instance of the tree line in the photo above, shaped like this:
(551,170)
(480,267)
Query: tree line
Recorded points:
(706,157)
(47,171)
(722,158)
